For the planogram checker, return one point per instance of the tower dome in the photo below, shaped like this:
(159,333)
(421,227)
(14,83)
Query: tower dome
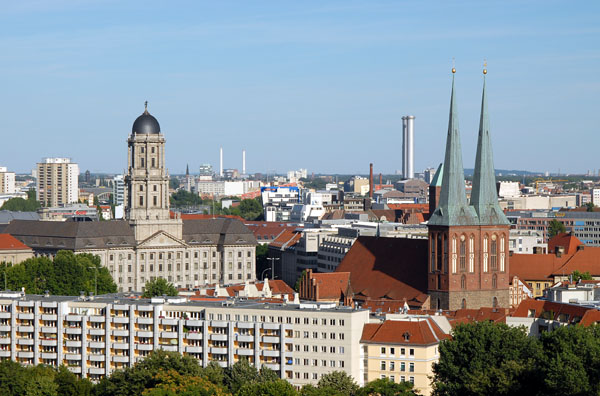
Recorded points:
(145,124)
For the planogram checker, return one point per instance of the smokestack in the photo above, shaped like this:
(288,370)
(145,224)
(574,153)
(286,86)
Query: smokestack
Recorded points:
(221,162)
(404,147)
(243,162)
(380,179)
(410,142)
(371,180)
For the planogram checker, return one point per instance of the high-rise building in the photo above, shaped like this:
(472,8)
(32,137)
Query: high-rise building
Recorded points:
(468,242)
(7,181)
(57,181)
(408,136)
(118,190)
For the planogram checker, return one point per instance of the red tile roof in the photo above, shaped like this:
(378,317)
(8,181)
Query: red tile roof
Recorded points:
(545,266)
(407,207)
(403,332)
(268,230)
(553,310)
(286,239)
(388,268)
(332,285)
(566,240)
(9,242)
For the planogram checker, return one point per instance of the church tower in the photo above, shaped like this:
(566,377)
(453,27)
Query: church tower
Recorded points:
(147,180)
(467,263)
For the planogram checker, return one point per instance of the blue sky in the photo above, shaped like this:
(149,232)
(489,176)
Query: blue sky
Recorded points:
(313,84)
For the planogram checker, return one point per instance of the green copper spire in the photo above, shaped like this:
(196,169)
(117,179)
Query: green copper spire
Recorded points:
(453,208)
(484,197)
(437,178)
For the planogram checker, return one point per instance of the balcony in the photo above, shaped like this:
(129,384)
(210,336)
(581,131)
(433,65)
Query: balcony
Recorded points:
(72,343)
(25,341)
(96,358)
(244,338)
(218,337)
(145,308)
(5,328)
(50,330)
(218,350)
(25,316)
(271,326)
(120,359)
(168,321)
(144,320)
(73,330)
(144,347)
(218,323)
(271,352)
(168,334)
(4,315)
(245,325)
(75,369)
(166,347)
(4,353)
(48,355)
(120,319)
(272,366)
(5,341)
(72,356)
(97,344)
(97,319)
(25,329)
(25,354)
(97,332)
(120,345)
(144,333)
(48,342)
(73,318)
(271,339)
(48,317)
(193,349)
(96,370)
(244,352)
(194,322)
(193,336)
(120,333)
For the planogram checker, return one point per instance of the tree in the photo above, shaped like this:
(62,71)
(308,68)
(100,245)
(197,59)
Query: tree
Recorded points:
(214,373)
(339,381)
(251,209)
(159,287)
(576,275)
(485,358)
(311,390)
(172,383)
(555,227)
(262,252)
(21,205)
(277,387)
(239,374)
(590,207)
(386,387)
(68,384)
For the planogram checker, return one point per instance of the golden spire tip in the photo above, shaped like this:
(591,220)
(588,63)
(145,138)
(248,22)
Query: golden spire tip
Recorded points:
(453,66)
(484,66)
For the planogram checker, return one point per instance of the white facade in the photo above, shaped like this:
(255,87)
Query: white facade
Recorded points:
(119,190)
(595,193)
(57,182)
(294,176)
(509,189)
(7,181)
(526,241)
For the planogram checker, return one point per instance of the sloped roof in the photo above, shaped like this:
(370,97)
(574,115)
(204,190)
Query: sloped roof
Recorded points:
(566,240)
(217,231)
(546,266)
(8,242)
(286,239)
(331,285)
(422,332)
(387,268)
(553,310)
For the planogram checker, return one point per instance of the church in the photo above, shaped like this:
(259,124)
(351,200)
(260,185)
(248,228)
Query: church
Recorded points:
(151,242)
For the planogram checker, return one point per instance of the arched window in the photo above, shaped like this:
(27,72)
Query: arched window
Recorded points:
(454,254)
(463,282)
(494,302)
(494,281)
(485,253)
(463,254)
(471,253)
(463,304)
(502,259)
(494,253)
(432,241)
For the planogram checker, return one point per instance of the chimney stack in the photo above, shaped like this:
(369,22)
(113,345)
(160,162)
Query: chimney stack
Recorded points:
(410,142)
(244,162)
(380,180)
(371,180)
(221,162)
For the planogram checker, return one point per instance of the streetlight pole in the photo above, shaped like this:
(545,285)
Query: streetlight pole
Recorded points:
(272,260)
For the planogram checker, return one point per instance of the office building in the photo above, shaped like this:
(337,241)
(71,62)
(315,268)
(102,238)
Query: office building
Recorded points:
(57,182)
(7,181)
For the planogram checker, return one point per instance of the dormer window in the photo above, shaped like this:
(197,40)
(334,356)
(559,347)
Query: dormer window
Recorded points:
(406,336)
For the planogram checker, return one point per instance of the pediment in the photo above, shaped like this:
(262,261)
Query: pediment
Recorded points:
(161,239)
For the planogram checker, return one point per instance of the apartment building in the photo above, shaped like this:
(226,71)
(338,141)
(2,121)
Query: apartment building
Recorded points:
(584,225)
(7,181)
(94,337)
(57,182)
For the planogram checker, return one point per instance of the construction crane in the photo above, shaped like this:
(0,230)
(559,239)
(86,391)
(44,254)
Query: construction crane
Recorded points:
(550,180)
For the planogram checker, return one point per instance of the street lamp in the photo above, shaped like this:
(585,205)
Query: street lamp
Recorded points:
(272,260)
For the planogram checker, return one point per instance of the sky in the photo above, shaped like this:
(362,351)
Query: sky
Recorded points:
(321,85)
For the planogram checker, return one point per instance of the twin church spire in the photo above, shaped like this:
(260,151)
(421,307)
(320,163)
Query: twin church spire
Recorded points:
(453,208)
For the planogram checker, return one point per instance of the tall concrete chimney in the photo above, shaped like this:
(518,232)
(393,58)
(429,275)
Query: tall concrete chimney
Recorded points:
(244,162)
(371,180)
(410,143)
(380,180)
(404,147)
(221,162)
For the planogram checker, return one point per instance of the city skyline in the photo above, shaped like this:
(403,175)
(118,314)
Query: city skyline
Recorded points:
(332,81)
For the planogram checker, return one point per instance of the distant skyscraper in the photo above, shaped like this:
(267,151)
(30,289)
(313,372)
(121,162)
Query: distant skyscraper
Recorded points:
(57,182)
(7,181)
(118,190)
(221,162)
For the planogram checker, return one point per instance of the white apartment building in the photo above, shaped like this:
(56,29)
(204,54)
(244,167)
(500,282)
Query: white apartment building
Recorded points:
(7,181)
(278,202)
(595,195)
(93,337)
(119,190)
(527,242)
(57,182)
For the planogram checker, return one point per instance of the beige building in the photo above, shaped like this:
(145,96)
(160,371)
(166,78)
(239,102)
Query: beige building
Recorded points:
(402,350)
(12,251)
(150,243)
(57,182)
(7,181)
(95,337)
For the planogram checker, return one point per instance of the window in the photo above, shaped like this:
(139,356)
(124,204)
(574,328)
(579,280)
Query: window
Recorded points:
(411,380)
(392,350)
(402,366)
(383,350)
(463,254)
(402,351)
(141,201)
(463,282)
(411,352)
(494,281)
(382,365)
(392,366)
(155,200)
(493,254)
(411,367)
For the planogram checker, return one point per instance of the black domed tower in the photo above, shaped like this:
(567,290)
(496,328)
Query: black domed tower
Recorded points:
(147,180)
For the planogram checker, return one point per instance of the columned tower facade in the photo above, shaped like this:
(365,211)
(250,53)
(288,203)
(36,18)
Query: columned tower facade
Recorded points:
(147,180)
(468,243)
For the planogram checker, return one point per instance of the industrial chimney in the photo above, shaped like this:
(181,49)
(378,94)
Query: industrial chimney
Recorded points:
(371,180)
(410,143)
(221,162)
(243,162)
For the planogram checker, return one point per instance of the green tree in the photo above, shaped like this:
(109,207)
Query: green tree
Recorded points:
(590,207)
(556,227)
(311,390)
(214,373)
(239,374)
(172,383)
(297,285)
(485,358)
(68,384)
(21,205)
(570,363)
(277,387)
(576,275)
(250,209)
(387,387)
(159,287)
(339,381)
